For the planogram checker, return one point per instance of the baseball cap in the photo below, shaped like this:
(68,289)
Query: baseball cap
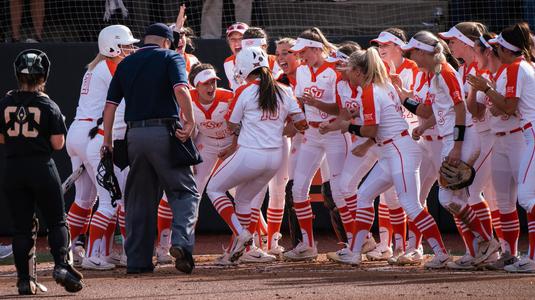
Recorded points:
(161,30)
(387,37)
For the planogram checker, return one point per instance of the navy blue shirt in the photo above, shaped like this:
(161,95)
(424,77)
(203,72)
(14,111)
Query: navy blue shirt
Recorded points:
(146,80)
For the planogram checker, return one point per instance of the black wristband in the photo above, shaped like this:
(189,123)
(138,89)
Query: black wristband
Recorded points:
(411,105)
(354,129)
(458,133)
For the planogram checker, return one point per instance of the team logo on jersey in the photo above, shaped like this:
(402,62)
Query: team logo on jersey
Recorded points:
(85,83)
(314,91)
(430,98)
(510,90)
(211,124)
(369,117)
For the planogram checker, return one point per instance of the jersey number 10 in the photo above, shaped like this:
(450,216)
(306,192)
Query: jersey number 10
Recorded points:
(22,120)
(268,115)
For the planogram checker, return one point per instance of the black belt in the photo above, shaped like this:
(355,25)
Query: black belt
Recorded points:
(151,123)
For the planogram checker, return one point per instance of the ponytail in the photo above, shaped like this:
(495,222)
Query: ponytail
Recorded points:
(370,63)
(269,91)
(95,61)
(519,35)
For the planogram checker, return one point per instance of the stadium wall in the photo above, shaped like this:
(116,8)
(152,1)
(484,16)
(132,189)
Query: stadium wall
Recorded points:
(68,66)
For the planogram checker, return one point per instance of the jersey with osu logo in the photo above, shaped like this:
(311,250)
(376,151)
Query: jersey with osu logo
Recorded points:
(210,119)
(321,84)
(347,97)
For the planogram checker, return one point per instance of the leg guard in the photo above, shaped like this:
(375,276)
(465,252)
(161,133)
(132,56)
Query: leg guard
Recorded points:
(293,222)
(336,220)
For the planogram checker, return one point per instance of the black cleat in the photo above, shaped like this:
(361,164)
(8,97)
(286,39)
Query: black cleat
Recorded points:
(68,277)
(183,259)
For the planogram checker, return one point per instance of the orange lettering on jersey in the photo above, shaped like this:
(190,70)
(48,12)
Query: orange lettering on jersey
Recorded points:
(314,91)
(368,106)
(85,83)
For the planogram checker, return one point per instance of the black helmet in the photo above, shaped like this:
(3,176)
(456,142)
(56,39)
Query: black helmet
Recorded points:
(33,62)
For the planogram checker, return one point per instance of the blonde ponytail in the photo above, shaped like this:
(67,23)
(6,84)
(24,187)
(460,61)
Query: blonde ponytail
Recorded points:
(95,61)
(370,63)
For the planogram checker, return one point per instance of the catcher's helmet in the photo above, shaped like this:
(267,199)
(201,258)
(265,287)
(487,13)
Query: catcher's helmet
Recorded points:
(111,37)
(32,62)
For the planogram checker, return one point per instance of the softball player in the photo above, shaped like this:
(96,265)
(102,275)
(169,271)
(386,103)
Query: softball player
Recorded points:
(445,101)
(90,106)
(262,116)
(516,98)
(234,37)
(506,153)
(461,40)
(399,156)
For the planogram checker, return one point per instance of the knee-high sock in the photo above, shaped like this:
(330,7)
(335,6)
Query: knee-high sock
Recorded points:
(415,236)
(78,220)
(497,225)
(348,222)
(122,222)
(304,214)
(97,229)
(274,220)
(225,209)
(385,227)
(399,227)
(429,229)
(363,224)
(470,219)
(109,236)
(483,214)
(467,236)
(531,233)
(165,218)
(351,203)
(511,231)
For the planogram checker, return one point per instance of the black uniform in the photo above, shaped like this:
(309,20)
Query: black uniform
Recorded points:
(27,120)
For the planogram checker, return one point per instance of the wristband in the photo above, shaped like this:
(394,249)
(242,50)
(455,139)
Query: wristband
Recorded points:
(354,129)
(411,105)
(458,133)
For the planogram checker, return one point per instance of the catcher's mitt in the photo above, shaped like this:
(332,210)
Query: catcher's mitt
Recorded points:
(106,177)
(456,177)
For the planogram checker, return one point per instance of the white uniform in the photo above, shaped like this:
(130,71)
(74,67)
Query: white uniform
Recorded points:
(445,91)
(521,84)
(259,155)
(321,83)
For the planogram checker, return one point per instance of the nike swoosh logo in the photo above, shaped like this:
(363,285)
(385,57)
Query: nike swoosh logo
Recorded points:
(96,264)
(523,265)
(257,256)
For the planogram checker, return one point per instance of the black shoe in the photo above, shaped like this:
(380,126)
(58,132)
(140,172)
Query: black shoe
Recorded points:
(68,277)
(139,270)
(183,259)
(26,287)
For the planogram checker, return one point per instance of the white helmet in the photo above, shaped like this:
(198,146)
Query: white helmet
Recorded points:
(248,60)
(111,37)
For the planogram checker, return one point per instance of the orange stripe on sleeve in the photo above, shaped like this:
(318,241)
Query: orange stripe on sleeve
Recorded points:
(454,88)
(368,106)
(511,86)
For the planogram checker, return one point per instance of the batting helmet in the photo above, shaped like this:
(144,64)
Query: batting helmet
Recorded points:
(32,62)
(248,60)
(111,37)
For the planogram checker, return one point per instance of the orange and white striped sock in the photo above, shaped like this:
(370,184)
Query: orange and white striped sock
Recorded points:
(254,223)
(363,224)
(351,203)
(303,210)
(468,216)
(429,229)
(225,209)
(415,236)
(398,220)
(245,221)
(78,220)
(274,220)
(165,218)
(348,222)
(109,236)
(497,225)
(122,222)
(531,233)
(511,231)
(467,236)
(97,229)
(483,214)
(385,227)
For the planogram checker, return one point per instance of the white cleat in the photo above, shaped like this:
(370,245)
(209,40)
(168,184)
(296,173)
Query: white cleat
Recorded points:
(257,255)
(224,260)
(301,252)
(504,260)
(524,265)
(438,262)
(412,257)
(463,263)
(379,253)
(78,254)
(162,256)
(119,260)
(490,262)
(96,263)
(244,239)
(345,256)
(485,249)
(393,260)
(369,245)
(276,249)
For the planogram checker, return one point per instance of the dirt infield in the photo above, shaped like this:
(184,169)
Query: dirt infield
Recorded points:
(284,280)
